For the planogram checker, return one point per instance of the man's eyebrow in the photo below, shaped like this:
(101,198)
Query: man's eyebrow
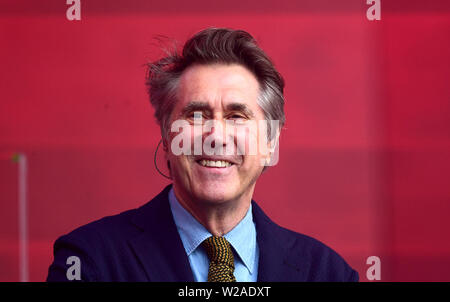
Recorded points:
(195,106)
(241,108)
(201,106)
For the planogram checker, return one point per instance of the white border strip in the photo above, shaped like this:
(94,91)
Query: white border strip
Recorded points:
(23,219)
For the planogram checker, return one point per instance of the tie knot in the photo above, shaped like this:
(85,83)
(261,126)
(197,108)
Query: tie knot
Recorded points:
(219,250)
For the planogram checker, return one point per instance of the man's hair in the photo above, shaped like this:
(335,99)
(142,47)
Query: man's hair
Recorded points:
(212,46)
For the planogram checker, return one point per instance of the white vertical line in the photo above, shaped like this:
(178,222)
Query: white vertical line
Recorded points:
(23,219)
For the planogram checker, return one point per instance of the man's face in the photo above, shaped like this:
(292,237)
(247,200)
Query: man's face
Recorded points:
(221,94)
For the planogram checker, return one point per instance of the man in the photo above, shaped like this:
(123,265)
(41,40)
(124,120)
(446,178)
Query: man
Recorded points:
(205,226)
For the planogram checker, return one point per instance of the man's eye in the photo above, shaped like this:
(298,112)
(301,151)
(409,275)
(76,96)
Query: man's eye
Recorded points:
(237,116)
(195,115)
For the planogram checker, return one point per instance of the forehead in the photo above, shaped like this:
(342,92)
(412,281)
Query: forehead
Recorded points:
(218,85)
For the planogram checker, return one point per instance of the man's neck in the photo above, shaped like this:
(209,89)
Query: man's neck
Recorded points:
(217,217)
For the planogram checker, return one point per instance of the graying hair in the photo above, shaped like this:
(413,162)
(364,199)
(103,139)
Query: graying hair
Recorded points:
(211,46)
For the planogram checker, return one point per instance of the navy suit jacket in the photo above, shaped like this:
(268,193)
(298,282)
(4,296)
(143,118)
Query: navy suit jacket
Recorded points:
(143,245)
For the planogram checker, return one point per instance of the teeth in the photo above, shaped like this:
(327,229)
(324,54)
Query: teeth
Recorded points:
(215,163)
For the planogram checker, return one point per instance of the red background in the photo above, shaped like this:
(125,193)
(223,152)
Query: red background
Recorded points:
(364,159)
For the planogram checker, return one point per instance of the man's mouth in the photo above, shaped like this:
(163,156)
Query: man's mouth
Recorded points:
(214,163)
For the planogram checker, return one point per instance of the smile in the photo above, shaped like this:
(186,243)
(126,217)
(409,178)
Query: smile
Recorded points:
(215,163)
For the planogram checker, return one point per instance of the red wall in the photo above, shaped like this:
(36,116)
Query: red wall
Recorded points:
(364,159)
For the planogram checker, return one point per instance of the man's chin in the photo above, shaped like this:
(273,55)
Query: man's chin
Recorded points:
(214,195)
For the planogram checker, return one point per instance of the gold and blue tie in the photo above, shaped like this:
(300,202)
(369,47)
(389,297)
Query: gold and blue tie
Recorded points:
(221,260)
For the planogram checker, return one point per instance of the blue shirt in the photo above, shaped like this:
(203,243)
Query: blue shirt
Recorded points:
(242,239)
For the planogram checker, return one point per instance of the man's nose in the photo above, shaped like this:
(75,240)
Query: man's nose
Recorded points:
(216,132)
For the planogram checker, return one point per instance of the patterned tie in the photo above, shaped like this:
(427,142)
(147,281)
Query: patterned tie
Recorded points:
(221,261)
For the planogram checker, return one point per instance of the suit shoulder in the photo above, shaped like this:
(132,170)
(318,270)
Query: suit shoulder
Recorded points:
(322,262)
(112,226)
(112,230)
(304,241)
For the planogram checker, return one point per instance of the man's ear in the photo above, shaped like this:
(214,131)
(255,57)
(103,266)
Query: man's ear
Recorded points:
(166,154)
(271,159)
(165,145)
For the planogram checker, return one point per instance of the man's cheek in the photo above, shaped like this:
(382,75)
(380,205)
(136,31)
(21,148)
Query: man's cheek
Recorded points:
(180,164)
(246,139)
(181,138)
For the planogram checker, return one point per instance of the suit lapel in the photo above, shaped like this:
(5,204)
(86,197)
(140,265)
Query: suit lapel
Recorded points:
(274,261)
(159,247)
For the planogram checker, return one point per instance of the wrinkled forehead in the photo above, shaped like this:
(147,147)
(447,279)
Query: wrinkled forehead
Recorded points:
(218,85)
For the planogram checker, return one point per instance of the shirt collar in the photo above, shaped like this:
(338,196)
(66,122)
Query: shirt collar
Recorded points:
(242,237)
